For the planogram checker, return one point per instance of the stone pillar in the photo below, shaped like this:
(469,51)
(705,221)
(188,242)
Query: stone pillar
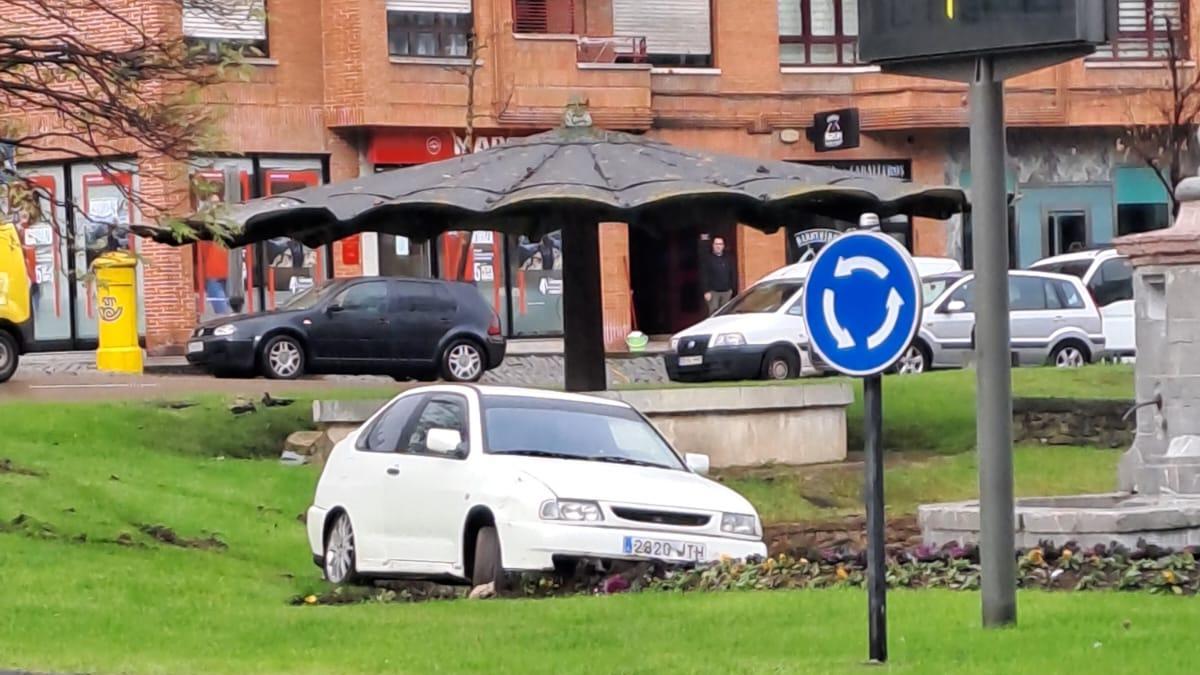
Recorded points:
(1165,457)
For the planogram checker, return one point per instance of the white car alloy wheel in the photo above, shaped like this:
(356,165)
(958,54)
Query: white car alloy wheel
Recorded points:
(1069,356)
(284,358)
(464,363)
(912,362)
(339,552)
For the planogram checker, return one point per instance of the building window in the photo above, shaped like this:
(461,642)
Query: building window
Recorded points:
(818,32)
(677,33)
(429,28)
(232,24)
(1145,30)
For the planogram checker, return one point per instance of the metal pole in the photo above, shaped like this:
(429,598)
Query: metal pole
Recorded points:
(876,560)
(993,426)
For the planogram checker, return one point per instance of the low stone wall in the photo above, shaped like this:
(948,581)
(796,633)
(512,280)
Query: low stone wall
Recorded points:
(1066,421)
(734,426)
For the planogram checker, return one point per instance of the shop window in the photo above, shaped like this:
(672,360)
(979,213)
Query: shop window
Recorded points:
(1135,218)
(818,32)
(677,33)
(1066,231)
(1146,30)
(288,267)
(231,24)
(213,262)
(429,28)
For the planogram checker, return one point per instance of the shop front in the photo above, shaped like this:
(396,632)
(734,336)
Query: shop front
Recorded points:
(84,211)
(805,238)
(520,277)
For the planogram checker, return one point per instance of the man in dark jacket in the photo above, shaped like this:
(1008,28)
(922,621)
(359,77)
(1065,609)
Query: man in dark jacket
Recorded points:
(716,276)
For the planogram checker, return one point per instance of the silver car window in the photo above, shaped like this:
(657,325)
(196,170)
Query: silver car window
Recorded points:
(1069,294)
(1026,293)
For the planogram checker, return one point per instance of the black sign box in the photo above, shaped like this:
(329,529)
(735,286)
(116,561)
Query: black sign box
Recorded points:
(834,130)
(918,30)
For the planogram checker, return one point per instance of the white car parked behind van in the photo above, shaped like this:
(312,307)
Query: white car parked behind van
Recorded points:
(760,333)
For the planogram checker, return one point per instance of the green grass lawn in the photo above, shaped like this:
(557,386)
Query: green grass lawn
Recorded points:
(785,494)
(86,590)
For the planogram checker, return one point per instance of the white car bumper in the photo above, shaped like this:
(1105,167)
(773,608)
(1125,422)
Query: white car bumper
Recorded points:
(533,545)
(315,522)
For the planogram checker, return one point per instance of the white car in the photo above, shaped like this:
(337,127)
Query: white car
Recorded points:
(1108,277)
(760,333)
(467,483)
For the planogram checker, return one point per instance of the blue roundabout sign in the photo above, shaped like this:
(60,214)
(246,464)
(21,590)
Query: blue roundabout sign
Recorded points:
(862,303)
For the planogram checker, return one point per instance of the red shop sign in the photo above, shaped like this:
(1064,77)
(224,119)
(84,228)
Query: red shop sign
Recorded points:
(418,146)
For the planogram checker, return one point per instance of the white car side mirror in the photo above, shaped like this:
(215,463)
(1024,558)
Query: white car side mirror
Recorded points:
(956,306)
(443,441)
(697,463)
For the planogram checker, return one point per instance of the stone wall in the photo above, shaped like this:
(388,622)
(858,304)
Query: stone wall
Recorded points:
(1067,421)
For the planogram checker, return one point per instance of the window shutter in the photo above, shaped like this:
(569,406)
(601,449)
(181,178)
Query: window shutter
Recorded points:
(531,16)
(791,21)
(227,20)
(669,26)
(437,6)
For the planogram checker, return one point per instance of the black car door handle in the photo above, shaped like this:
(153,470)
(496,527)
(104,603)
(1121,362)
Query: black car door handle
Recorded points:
(393,471)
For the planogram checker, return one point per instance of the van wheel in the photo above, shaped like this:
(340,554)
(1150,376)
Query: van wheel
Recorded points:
(1069,354)
(780,364)
(9,355)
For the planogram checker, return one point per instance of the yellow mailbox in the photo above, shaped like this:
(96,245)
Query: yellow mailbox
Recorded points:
(116,309)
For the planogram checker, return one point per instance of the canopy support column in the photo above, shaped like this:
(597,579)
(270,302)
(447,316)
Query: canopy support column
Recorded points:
(583,308)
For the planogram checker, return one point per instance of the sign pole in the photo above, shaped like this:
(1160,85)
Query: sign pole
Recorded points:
(876,522)
(993,363)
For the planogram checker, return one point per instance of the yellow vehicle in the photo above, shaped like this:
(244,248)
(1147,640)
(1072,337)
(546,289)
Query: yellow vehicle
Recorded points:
(15,324)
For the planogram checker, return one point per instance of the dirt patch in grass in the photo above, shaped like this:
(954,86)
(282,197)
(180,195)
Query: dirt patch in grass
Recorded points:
(165,535)
(7,466)
(849,532)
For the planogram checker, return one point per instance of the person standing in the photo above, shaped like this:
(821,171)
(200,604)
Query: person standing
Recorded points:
(716,276)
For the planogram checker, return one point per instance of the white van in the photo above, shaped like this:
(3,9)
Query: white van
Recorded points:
(1108,276)
(760,333)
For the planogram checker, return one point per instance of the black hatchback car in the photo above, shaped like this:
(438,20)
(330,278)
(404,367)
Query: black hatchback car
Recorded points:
(406,328)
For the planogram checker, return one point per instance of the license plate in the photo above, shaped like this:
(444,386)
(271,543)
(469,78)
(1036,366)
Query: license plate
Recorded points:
(195,347)
(664,550)
(691,360)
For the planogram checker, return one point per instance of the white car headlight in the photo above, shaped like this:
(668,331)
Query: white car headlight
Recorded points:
(225,331)
(571,510)
(737,523)
(729,340)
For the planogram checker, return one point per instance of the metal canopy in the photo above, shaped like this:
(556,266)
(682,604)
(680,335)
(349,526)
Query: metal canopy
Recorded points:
(575,174)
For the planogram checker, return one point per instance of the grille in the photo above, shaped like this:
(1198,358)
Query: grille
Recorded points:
(662,517)
(692,345)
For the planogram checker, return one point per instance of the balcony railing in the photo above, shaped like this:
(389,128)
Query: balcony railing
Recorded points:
(611,49)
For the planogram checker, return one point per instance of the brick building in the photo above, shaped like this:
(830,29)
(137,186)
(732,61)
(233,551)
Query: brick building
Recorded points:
(349,87)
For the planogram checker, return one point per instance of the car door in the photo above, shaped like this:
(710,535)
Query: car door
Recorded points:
(1080,316)
(1112,287)
(421,313)
(428,489)
(354,330)
(1031,322)
(367,486)
(952,326)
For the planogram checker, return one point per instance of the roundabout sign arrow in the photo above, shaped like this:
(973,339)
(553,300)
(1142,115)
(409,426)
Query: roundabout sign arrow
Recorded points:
(862,303)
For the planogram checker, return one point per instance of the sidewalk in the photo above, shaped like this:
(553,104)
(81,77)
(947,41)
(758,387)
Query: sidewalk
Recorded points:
(65,363)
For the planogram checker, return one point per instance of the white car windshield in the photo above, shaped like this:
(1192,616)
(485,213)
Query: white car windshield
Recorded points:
(557,429)
(764,298)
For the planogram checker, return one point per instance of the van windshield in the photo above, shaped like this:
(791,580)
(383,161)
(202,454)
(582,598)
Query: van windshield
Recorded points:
(764,298)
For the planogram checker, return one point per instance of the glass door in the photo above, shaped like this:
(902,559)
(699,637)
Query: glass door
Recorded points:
(288,267)
(45,239)
(103,217)
(212,259)
(1066,231)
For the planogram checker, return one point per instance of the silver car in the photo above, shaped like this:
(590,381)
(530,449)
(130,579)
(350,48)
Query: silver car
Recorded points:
(1053,321)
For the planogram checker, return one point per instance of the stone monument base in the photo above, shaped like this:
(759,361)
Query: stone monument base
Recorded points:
(1087,520)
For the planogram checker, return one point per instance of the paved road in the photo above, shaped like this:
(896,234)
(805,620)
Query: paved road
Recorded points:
(36,386)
